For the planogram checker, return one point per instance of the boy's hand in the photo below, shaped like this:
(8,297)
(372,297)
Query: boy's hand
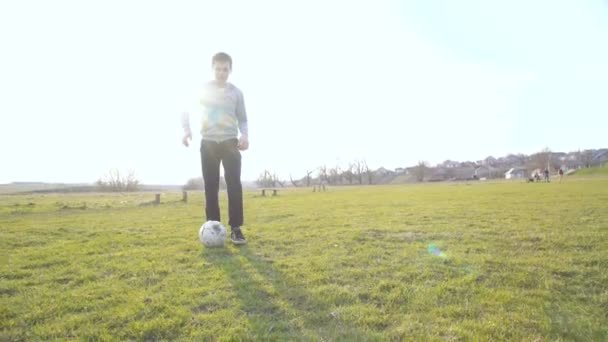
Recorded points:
(187,138)
(243,143)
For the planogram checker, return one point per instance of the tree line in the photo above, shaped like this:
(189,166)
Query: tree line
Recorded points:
(358,172)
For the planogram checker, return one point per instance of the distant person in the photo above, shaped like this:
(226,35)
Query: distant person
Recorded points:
(547,175)
(561,174)
(223,116)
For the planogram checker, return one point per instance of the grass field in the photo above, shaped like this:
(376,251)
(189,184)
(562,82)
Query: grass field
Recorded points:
(593,171)
(519,262)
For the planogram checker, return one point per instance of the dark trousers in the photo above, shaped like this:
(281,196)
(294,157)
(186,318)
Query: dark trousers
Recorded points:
(227,153)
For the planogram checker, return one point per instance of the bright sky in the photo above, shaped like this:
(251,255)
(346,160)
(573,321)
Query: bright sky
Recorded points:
(87,86)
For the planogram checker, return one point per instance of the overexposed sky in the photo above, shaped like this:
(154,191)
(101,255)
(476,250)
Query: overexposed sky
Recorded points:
(87,86)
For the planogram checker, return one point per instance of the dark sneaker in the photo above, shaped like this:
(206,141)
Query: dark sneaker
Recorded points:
(237,237)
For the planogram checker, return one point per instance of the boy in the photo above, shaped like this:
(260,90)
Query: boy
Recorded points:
(224,115)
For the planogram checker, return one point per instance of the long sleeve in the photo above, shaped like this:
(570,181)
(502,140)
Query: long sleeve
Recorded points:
(186,121)
(241,115)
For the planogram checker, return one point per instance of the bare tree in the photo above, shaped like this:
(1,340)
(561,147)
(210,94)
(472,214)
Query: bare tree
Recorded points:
(555,162)
(265,180)
(367,171)
(521,159)
(113,180)
(358,171)
(294,183)
(349,174)
(308,178)
(277,180)
(323,177)
(269,180)
(335,175)
(542,159)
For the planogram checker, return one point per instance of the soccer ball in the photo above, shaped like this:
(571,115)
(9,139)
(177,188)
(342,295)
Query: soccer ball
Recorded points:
(212,234)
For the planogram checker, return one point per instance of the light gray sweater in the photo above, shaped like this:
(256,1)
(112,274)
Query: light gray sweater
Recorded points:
(222,112)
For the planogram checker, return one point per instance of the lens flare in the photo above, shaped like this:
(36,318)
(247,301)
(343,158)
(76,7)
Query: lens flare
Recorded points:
(435,251)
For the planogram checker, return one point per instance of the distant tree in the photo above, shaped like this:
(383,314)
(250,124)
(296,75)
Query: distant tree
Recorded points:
(267,179)
(585,158)
(368,172)
(521,159)
(116,181)
(308,178)
(335,175)
(194,184)
(491,161)
(421,170)
(358,171)
(448,163)
(322,174)
(554,162)
(294,183)
(450,173)
(349,174)
(542,159)
(197,183)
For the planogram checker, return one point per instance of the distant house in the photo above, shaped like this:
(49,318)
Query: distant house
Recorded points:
(515,173)
(487,172)
(383,172)
(464,172)
(600,157)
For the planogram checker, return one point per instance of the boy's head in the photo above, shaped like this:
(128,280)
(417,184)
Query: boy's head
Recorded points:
(222,66)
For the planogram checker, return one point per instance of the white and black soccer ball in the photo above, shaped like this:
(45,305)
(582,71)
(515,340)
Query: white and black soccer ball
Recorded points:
(212,234)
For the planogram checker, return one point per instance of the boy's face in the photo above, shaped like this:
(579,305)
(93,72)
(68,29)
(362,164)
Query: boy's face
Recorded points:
(222,71)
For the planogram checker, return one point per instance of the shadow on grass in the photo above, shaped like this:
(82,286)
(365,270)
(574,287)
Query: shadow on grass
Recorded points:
(276,306)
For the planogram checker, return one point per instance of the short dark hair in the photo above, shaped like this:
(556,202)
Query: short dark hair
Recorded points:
(222,57)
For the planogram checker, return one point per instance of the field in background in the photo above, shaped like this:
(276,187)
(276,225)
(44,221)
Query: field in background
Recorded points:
(519,262)
(594,171)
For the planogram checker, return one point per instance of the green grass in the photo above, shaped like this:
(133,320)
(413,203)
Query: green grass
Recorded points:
(594,171)
(524,262)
